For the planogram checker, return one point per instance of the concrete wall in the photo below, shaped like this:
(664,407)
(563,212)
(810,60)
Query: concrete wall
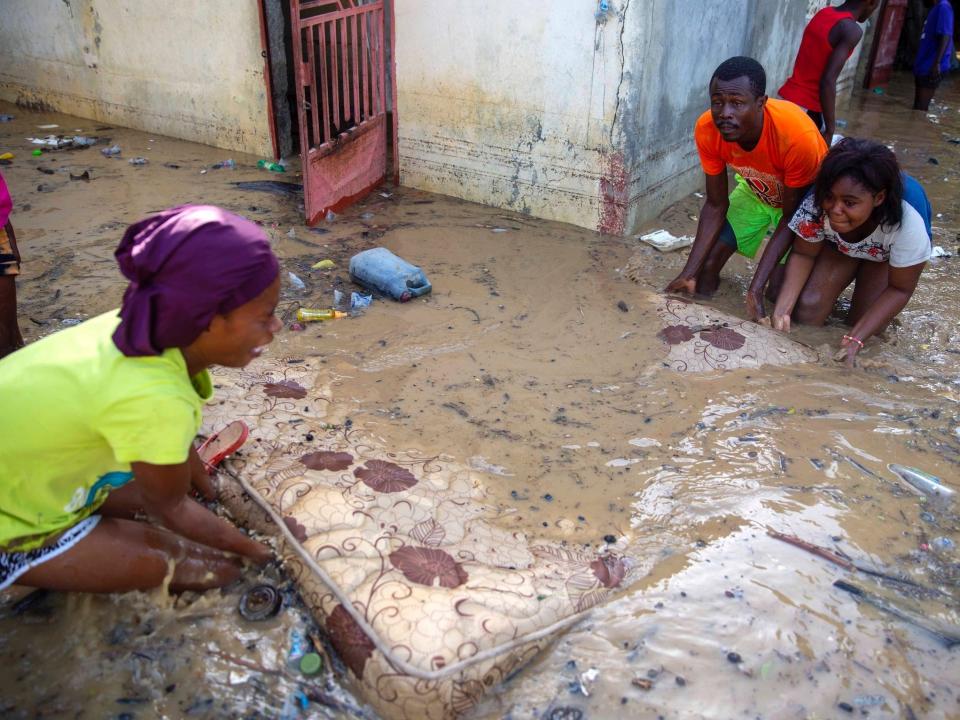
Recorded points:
(506,103)
(181,68)
(543,108)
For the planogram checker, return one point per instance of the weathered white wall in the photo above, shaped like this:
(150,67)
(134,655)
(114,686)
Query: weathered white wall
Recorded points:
(540,108)
(507,103)
(184,68)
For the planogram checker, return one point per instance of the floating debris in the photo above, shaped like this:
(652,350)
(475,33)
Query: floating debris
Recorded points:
(949,637)
(664,241)
(922,482)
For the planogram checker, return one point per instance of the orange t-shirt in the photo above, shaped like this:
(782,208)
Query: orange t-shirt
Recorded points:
(788,154)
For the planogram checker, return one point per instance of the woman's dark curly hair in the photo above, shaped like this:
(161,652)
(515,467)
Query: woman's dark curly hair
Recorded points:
(872,165)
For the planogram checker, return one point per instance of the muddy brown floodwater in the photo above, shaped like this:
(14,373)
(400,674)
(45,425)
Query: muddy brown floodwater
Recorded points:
(522,366)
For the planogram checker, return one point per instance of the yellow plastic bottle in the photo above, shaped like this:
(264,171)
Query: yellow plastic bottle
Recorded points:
(315,314)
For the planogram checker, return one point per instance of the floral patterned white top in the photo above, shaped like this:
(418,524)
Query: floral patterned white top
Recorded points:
(902,246)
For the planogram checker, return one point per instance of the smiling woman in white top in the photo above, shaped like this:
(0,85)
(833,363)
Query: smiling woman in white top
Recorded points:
(865,222)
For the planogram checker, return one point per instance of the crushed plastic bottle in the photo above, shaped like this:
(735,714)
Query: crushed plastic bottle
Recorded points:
(111,151)
(138,161)
(358,301)
(330,216)
(5,118)
(229,164)
(296,281)
(83,141)
(271,166)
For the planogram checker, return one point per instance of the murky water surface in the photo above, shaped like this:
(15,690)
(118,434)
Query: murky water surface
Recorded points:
(522,366)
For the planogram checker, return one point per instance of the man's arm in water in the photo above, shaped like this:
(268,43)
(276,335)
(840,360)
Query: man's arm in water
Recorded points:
(712,216)
(775,249)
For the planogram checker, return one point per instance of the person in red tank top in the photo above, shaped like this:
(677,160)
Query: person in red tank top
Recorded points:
(828,41)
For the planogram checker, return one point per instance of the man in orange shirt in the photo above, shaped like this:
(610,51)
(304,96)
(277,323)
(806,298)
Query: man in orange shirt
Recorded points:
(775,150)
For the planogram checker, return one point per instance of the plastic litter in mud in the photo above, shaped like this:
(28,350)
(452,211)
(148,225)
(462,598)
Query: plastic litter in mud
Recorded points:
(943,544)
(296,282)
(260,603)
(323,265)
(138,161)
(665,241)
(358,301)
(271,166)
(6,118)
(6,156)
(311,663)
(111,151)
(53,142)
(318,314)
(380,270)
(229,164)
(940,252)
(922,482)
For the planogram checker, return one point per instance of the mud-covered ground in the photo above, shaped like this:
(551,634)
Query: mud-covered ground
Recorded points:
(535,363)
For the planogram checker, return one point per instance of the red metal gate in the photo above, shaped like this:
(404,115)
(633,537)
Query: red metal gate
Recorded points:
(338,53)
(885,41)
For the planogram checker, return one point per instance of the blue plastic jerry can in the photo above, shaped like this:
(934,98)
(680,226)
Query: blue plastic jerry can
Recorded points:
(381,270)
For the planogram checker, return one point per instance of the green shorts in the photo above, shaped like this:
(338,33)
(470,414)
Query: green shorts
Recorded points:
(748,220)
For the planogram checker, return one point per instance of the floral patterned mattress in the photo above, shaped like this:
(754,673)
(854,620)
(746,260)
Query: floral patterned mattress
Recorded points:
(429,603)
(452,604)
(699,338)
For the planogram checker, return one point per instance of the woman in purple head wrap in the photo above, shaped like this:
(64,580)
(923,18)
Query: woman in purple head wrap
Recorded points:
(100,418)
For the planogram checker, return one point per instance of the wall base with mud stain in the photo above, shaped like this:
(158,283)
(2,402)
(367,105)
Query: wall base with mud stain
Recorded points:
(569,111)
(183,69)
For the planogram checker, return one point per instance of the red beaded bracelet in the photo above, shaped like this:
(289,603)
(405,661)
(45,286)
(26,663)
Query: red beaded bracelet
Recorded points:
(857,340)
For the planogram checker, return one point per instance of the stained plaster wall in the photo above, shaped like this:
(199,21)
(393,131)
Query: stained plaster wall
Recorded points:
(508,104)
(543,109)
(182,68)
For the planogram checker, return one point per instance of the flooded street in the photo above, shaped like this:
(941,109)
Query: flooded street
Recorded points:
(537,369)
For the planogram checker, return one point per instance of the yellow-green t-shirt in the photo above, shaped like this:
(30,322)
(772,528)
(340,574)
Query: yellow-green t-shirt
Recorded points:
(75,413)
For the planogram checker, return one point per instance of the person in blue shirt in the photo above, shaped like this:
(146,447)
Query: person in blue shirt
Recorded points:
(934,53)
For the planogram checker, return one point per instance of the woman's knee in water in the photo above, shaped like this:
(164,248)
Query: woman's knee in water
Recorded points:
(809,309)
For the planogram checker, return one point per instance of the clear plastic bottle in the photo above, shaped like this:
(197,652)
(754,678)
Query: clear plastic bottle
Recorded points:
(314,314)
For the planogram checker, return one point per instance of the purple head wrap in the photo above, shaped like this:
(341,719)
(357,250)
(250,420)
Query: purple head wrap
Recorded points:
(185,265)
